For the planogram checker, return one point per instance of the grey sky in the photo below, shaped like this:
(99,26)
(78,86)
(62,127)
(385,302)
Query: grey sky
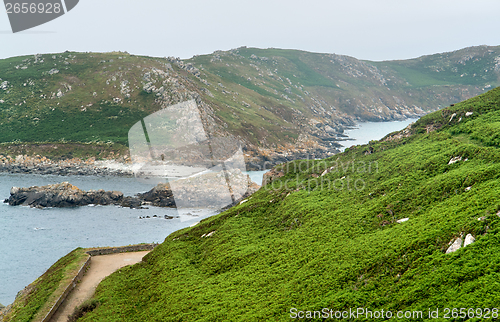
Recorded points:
(365,29)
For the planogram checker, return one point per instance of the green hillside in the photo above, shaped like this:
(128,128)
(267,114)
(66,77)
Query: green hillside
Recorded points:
(64,98)
(311,241)
(274,100)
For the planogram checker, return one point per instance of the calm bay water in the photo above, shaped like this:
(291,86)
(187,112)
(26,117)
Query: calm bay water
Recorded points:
(367,131)
(31,240)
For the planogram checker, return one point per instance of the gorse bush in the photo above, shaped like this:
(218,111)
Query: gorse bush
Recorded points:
(84,308)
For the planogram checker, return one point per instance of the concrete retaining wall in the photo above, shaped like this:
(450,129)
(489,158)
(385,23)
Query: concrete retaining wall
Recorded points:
(68,290)
(123,249)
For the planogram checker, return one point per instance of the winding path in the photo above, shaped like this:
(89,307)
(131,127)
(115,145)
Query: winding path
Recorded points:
(100,267)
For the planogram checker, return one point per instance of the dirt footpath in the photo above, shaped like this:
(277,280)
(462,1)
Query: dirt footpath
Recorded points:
(100,267)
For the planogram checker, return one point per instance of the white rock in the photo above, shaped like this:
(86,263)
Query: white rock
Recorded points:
(452,116)
(469,114)
(455,246)
(327,171)
(208,235)
(469,239)
(468,188)
(455,159)
(243,201)
(402,220)
(14,190)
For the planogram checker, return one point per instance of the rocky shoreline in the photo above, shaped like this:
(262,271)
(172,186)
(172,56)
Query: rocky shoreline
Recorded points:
(64,170)
(265,160)
(24,164)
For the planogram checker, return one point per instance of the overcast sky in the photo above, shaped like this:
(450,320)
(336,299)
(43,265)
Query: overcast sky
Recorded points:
(365,29)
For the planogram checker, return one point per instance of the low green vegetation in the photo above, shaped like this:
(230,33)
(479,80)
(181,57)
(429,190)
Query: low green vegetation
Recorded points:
(315,239)
(63,151)
(267,97)
(36,300)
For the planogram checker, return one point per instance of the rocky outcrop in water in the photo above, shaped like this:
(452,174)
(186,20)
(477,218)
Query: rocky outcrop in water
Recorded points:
(160,196)
(200,191)
(61,195)
(212,190)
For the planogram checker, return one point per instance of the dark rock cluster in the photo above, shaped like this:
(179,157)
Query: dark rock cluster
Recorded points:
(202,191)
(61,195)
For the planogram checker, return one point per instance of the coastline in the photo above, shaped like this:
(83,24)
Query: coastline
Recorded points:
(23,164)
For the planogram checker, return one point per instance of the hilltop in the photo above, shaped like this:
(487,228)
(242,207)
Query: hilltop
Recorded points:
(368,228)
(282,104)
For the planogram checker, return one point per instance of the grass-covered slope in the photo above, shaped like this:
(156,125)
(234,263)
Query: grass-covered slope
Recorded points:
(310,242)
(73,97)
(36,300)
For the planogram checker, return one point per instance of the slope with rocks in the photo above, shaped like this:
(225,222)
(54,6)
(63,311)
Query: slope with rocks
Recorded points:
(282,104)
(378,227)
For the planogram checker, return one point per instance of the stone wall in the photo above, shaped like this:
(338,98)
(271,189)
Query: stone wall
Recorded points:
(83,269)
(123,249)
(67,291)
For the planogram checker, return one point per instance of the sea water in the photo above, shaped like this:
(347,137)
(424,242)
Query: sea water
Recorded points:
(364,132)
